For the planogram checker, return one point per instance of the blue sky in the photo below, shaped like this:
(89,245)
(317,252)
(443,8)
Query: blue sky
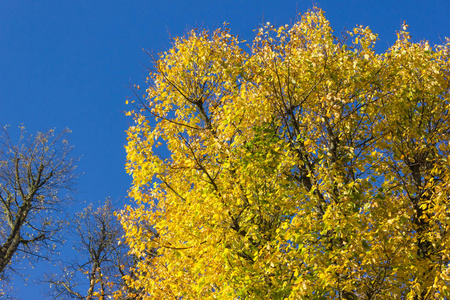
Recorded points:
(67,63)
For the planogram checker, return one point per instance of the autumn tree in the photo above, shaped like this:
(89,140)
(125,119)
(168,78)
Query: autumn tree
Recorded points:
(309,167)
(36,175)
(101,259)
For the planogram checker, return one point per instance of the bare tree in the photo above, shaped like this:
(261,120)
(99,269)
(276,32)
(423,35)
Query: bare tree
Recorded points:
(102,261)
(36,176)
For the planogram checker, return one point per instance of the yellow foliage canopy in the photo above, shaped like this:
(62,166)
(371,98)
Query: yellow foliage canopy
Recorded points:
(310,168)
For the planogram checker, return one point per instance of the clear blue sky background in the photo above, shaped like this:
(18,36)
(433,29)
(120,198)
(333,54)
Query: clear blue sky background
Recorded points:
(67,63)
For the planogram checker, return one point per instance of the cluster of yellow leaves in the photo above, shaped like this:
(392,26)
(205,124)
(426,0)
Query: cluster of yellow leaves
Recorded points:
(311,167)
